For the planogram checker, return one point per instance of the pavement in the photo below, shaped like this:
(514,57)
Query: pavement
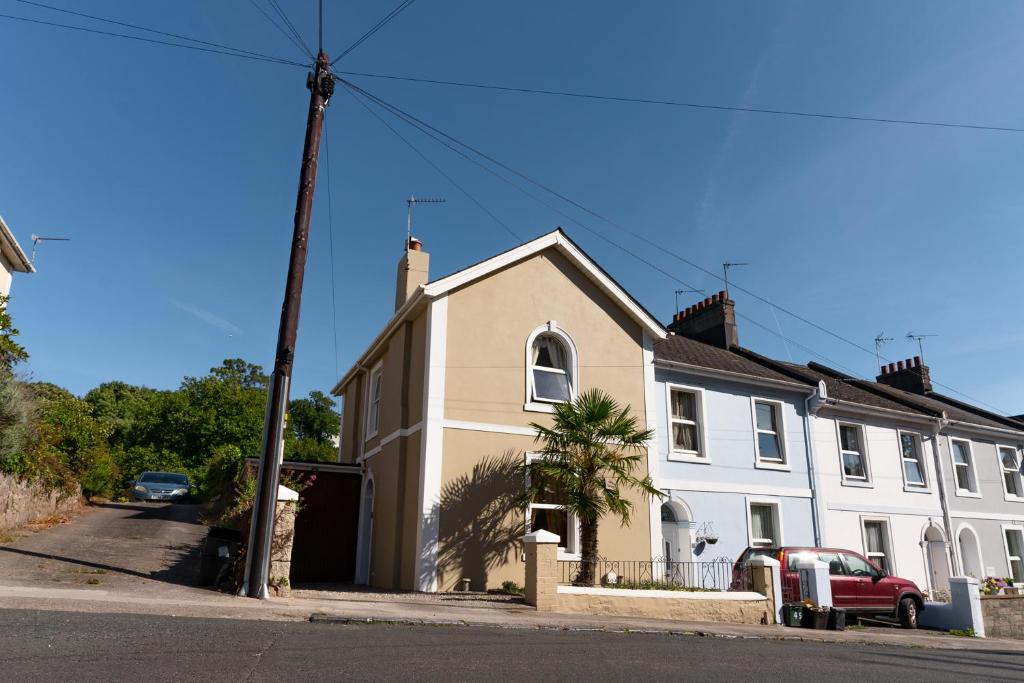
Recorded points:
(48,646)
(141,558)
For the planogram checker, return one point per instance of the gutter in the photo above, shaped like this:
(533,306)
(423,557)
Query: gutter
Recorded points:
(812,404)
(400,315)
(947,522)
(736,376)
(973,426)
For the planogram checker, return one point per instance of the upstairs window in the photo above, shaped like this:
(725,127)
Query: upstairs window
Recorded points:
(771,448)
(373,402)
(551,369)
(1010,463)
(851,448)
(963,467)
(913,462)
(685,416)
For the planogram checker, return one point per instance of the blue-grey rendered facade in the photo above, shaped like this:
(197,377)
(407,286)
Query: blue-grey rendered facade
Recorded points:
(710,493)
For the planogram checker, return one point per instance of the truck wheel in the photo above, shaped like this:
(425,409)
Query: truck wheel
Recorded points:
(907,613)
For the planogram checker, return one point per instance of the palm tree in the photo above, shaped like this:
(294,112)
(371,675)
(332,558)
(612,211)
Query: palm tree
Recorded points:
(588,458)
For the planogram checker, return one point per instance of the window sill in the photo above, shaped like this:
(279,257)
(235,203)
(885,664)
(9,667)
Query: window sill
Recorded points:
(916,489)
(858,484)
(568,557)
(961,493)
(769,465)
(675,456)
(536,407)
(1013,499)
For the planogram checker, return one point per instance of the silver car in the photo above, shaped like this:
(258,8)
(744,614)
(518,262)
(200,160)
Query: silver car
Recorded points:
(161,486)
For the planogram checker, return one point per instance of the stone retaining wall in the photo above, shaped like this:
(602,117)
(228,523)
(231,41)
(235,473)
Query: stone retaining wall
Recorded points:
(1004,616)
(21,502)
(723,608)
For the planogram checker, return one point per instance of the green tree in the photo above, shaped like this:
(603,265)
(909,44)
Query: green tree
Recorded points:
(587,460)
(17,416)
(312,428)
(133,414)
(11,352)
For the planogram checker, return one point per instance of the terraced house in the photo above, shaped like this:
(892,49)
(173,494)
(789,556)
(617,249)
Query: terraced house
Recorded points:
(438,410)
(748,451)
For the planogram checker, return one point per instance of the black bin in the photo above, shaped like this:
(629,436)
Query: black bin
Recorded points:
(219,549)
(837,619)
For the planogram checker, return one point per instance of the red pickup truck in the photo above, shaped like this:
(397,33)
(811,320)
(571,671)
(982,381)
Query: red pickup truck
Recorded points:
(858,585)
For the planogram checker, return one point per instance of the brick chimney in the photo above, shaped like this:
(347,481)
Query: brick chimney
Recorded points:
(712,321)
(412,271)
(910,375)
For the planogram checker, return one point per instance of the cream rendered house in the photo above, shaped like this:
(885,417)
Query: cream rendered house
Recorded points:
(438,410)
(12,258)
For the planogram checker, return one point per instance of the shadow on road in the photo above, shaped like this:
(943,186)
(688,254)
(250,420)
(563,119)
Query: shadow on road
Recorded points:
(117,543)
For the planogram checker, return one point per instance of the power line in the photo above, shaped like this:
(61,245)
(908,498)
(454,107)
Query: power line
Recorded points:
(398,112)
(688,105)
(145,28)
(330,234)
(395,111)
(373,29)
(278,26)
(436,167)
(273,60)
(291,27)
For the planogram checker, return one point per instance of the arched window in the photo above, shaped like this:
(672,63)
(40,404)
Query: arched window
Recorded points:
(551,366)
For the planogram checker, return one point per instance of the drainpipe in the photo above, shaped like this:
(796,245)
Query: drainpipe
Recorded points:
(812,404)
(954,555)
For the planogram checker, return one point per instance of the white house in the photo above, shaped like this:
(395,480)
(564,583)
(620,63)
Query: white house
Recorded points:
(12,258)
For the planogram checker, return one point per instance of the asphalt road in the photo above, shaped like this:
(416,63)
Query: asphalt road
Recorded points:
(47,646)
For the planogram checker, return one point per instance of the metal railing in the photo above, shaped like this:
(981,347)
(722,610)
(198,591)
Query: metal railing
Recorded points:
(715,575)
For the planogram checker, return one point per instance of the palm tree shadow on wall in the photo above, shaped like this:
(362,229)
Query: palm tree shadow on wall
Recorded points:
(481,521)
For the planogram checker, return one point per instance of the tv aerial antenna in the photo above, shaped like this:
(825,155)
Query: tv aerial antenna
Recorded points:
(413,201)
(725,272)
(880,341)
(37,240)
(919,338)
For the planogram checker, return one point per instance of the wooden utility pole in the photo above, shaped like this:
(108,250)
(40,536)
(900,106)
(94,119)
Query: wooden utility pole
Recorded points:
(261,528)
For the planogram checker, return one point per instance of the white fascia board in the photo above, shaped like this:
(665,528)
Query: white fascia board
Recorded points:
(734,376)
(985,430)
(861,409)
(558,240)
(20,262)
(400,315)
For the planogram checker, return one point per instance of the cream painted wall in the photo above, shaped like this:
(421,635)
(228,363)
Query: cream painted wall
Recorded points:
(481,524)
(489,323)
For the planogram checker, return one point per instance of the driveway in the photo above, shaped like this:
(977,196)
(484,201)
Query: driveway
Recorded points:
(137,548)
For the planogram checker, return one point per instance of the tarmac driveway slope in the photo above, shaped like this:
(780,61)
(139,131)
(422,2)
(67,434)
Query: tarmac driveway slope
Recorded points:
(138,548)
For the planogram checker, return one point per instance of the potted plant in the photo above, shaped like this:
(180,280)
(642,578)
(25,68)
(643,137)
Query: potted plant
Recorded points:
(1010,588)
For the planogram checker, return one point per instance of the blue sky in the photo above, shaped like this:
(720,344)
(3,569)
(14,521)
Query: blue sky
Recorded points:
(174,173)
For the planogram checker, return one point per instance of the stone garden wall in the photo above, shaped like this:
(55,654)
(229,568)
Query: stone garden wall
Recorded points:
(21,502)
(1004,616)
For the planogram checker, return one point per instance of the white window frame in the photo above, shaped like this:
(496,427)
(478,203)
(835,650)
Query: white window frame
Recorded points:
(703,456)
(889,554)
(1003,472)
(542,405)
(569,548)
(922,462)
(760,462)
(776,505)
(377,371)
(972,470)
(845,480)
(1006,548)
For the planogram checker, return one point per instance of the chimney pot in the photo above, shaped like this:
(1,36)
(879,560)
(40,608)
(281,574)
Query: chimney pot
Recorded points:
(899,365)
(723,295)
(885,369)
(714,298)
(917,361)
(675,317)
(415,244)
(892,368)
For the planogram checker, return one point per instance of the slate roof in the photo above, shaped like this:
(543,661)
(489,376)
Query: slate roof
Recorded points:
(679,349)
(839,387)
(936,403)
